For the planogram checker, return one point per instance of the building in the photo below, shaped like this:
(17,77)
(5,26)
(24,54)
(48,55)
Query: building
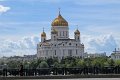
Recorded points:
(22,58)
(60,45)
(116,54)
(94,55)
(18,58)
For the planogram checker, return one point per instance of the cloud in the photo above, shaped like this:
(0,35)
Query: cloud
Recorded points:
(27,45)
(102,43)
(4,9)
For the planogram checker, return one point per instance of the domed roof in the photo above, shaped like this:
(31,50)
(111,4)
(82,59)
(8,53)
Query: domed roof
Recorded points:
(43,34)
(77,32)
(59,21)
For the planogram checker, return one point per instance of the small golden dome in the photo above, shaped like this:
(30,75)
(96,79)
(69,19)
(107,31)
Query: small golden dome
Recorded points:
(77,32)
(59,21)
(54,31)
(43,34)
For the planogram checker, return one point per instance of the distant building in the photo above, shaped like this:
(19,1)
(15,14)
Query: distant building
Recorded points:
(19,58)
(94,55)
(116,54)
(60,45)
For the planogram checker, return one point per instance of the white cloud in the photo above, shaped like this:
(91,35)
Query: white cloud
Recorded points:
(27,45)
(4,9)
(102,43)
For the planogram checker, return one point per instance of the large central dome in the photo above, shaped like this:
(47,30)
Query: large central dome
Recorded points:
(59,21)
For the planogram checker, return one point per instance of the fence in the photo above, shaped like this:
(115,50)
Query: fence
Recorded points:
(61,71)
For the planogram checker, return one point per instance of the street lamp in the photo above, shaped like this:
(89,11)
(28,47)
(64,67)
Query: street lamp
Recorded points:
(5,69)
(28,65)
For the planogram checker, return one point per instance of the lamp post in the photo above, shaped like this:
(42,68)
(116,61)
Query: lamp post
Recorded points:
(5,69)
(28,65)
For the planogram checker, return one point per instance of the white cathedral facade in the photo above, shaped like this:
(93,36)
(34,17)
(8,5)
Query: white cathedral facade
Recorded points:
(60,45)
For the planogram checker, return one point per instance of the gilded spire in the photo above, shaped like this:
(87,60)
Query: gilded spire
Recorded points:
(59,21)
(77,31)
(43,33)
(59,11)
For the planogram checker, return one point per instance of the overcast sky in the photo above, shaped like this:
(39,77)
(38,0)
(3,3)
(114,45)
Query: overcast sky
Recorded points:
(19,18)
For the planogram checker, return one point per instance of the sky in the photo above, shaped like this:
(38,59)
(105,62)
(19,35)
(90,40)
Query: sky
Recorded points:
(22,21)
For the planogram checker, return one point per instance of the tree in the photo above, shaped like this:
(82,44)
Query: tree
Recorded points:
(117,63)
(14,64)
(81,64)
(111,62)
(50,62)
(43,64)
(56,65)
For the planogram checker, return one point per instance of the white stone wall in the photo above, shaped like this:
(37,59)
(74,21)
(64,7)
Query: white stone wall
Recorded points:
(61,51)
(63,31)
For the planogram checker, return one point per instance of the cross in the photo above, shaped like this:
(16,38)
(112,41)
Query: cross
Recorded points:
(59,10)
(77,26)
(43,29)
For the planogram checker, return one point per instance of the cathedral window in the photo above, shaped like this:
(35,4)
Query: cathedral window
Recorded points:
(55,52)
(76,44)
(78,38)
(63,44)
(66,33)
(63,33)
(63,52)
(60,33)
(69,43)
(69,52)
(76,52)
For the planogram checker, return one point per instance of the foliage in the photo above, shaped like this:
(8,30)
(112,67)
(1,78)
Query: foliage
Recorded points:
(117,63)
(43,64)
(65,62)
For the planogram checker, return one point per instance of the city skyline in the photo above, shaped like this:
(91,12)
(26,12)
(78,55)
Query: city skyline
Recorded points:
(21,23)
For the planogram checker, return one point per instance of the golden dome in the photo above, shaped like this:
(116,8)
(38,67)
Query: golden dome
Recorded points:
(59,21)
(54,31)
(77,32)
(43,34)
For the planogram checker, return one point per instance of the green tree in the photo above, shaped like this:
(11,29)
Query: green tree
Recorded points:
(81,63)
(43,64)
(56,64)
(111,62)
(117,63)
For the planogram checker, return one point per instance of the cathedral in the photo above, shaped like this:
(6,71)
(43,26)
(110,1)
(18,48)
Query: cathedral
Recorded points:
(60,45)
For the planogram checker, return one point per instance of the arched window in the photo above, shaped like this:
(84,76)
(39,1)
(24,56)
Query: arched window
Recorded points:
(66,33)
(55,52)
(76,44)
(76,52)
(78,38)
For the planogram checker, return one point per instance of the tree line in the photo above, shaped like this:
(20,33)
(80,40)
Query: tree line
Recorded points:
(69,62)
